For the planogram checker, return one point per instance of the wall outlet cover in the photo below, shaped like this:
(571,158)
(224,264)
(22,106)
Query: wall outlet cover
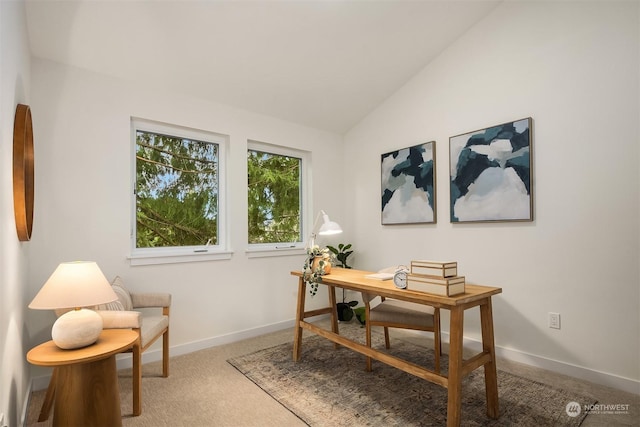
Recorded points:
(554,320)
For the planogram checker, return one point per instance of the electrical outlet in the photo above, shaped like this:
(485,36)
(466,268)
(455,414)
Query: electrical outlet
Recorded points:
(554,320)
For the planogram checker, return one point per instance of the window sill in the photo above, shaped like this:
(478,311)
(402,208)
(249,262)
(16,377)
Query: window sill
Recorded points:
(274,251)
(177,257)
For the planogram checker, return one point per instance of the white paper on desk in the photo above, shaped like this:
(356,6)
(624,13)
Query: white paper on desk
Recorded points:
(380,276)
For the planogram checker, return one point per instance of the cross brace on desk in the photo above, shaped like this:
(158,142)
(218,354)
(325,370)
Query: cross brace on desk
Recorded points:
(474,296)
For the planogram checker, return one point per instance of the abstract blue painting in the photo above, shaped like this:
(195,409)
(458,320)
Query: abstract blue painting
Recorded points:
(490,174)
(408,185)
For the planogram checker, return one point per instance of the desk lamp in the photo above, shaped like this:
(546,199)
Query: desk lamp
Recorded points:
(327,228)
(74,285)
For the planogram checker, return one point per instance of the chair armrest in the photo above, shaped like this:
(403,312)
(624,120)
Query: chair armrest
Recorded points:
(118,319)
(150,299)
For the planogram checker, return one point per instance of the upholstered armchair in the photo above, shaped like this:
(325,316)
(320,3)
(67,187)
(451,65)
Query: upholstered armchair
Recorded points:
(150,325)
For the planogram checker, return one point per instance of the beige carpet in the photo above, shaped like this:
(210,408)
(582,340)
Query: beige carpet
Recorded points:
(204,390)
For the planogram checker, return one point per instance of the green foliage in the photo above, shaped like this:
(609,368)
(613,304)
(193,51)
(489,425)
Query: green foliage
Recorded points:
(361,315)
(341,253)
(311,275)
(176,191)
(273,198)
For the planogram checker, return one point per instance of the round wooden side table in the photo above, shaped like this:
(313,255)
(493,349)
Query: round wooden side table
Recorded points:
(86,379)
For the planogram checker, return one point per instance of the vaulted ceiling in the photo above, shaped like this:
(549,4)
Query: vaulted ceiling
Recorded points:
(324,64)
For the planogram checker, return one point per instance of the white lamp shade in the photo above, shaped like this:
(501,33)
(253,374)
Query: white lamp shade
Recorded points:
(328,227)
(73,285)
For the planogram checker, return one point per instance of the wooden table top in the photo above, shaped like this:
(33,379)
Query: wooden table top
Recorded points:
(110,341)
(355,280)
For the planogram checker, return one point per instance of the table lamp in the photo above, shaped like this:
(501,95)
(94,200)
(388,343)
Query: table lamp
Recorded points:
(74,285)
(327,228)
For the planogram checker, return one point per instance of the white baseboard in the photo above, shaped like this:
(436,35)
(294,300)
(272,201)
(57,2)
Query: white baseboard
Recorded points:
(580,372)
(40,383)
(123,361)
(225,339)
(604,378)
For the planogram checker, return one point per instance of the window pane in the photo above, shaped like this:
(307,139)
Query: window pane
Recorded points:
(176,191)
(274,197)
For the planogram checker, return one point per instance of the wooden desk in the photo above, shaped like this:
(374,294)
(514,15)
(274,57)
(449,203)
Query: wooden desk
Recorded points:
(86,381)
(458,368)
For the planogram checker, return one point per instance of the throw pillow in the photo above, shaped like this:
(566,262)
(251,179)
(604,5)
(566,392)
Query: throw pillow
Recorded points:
(123,295)
(113,306)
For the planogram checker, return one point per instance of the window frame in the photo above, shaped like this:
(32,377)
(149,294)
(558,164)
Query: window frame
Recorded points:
(178,254)
(284,248)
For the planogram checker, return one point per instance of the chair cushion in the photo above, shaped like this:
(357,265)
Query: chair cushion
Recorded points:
(394,311)
(152,327)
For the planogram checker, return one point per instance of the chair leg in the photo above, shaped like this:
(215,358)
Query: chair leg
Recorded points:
(137,379)
(386,338)
(165,354)
(45,411)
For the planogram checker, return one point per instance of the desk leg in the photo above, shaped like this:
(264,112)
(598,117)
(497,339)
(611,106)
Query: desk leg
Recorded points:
(490,370)
(334,311)
(297,335)
(87,394)
(454,404)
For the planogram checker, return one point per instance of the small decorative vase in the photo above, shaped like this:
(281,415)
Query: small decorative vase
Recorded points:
(316,264)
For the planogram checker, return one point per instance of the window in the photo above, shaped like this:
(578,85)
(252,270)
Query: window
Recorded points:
(179,191)
(276,189)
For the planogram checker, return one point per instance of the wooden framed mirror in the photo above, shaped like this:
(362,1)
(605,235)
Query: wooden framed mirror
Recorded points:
(23,179)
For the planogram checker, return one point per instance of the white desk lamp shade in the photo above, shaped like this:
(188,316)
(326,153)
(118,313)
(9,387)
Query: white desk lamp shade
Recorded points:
(75,285)
(327,228)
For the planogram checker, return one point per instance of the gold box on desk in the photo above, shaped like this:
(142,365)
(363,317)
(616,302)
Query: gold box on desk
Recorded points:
(446,286)
(434,268)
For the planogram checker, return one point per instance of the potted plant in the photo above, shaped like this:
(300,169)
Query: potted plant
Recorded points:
(341,253)
(360,313)
(317,264)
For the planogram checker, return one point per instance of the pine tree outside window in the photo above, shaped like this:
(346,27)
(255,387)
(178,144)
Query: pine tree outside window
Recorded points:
(178,190)
(276,196)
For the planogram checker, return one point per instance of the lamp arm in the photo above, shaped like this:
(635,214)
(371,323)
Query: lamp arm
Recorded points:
(312,237)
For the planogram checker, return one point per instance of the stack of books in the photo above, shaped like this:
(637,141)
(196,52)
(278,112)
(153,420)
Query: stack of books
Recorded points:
(435,277)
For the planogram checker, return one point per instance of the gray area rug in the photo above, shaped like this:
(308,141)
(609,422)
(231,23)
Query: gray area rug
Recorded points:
(329,387)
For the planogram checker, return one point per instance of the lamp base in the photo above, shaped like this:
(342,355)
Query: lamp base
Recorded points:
(76,328)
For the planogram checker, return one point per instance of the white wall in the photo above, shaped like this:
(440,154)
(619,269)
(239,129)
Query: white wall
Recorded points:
(573,67)
(83,203)
(14,89)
